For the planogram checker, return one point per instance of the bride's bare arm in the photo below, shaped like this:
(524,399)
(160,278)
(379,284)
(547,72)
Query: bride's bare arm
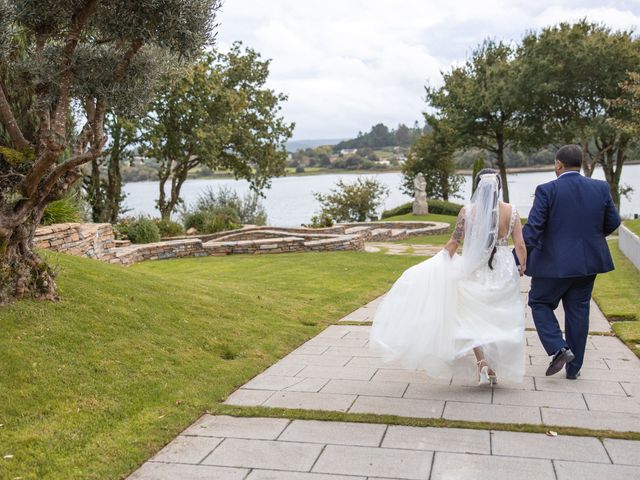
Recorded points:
(518,242)
(457,235)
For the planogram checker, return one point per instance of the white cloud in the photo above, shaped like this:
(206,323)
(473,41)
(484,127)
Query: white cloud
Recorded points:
(347,64)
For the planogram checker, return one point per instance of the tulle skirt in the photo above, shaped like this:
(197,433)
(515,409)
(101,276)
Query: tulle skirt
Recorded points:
(434,316)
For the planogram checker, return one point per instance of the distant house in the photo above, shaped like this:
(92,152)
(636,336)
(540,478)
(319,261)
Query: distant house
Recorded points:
(384,163)
(348,151)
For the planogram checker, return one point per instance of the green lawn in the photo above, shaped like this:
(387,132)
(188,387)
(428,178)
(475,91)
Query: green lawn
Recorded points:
(617,295)
(95,384)
(425,239)
(633,225)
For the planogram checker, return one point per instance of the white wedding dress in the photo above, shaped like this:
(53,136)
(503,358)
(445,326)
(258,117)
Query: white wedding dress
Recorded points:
(438,311)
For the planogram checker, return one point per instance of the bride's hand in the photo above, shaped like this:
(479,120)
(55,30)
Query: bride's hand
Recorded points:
(521,269)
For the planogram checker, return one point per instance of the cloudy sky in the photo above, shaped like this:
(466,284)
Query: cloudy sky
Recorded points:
(347,64)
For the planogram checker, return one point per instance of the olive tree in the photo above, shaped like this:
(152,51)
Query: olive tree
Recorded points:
(83,57)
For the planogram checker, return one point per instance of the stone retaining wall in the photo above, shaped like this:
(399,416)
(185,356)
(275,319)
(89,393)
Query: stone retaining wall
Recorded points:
(93,240)
(98,240)
(629,244)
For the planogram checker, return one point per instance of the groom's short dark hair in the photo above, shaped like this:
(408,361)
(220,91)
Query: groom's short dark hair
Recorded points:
(570,156)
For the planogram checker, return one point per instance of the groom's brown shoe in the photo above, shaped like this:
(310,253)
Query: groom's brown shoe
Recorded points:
(562,357)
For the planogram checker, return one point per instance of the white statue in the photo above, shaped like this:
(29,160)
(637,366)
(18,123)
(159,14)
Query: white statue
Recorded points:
(420,206)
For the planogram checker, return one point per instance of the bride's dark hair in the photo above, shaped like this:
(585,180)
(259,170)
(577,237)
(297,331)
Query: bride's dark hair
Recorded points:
(476,181)
(487,171)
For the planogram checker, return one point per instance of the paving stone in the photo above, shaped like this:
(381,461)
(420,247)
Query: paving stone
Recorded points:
(271,382)
(608,343)
(187,449)
(589,362)
(334,331)
(461,466)
(336,433)
(623,452)
(539,445)
(622,422)
(601,375)
(623,363)
(310,350)
(374,362)
(595,471)
(342,373)
(284,369)
(280,475)
(248,398)
(611,403)
(311,401)
(538,399)
(354,351)
(402,407)
(477,412)
(266,454)
(404,376)
(391,463)
(632,389)
(362,332)
(338,342)
(448,392)
(561,384)
(237,427)
(171,471)
(323,360)
(440,439)
(360,387)
(308,385)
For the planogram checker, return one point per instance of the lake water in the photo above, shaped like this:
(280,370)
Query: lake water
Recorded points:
(290,201)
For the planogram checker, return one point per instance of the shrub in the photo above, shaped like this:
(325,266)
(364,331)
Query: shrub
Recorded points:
(212,220)
(169,228)
(439,207)
(143,230)
(356,202)
(248,209)
(323,220)
(195,220)
(65,210)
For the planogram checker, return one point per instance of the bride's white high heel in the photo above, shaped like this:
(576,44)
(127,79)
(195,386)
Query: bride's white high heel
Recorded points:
(484,377)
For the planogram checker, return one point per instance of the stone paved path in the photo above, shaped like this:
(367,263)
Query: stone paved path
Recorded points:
(336,371)
(229,448)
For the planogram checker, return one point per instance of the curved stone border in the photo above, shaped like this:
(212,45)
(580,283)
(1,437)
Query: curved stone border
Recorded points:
(98,240)
(629,244)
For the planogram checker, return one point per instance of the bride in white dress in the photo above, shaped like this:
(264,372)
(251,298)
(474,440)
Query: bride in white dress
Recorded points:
(450,305)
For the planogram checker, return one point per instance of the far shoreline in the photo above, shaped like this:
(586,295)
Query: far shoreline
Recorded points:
(340,171)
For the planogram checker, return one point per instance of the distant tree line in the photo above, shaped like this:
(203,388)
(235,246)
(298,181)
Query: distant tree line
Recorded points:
(381,136)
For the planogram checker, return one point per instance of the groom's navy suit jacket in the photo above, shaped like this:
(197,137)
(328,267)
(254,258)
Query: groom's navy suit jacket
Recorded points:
(566,229)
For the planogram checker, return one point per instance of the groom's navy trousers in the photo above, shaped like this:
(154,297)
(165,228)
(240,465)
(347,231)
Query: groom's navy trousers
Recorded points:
(566,243)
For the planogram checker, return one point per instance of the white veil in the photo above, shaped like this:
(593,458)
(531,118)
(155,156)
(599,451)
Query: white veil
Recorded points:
(481,224)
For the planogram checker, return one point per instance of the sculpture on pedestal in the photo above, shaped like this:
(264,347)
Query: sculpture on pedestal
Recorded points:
(420,206)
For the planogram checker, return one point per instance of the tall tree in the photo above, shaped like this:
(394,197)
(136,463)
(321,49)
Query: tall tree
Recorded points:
(432,155)
(104,183)
(480,101)
(219,114)
(93,54)
(572,73)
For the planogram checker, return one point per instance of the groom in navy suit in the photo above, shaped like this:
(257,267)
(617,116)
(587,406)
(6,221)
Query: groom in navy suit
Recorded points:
(566,244)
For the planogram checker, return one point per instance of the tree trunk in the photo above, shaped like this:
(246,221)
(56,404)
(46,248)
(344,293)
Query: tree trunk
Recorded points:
(502,167)
(96,194)
(114,181)
(22,272)
(588,162)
